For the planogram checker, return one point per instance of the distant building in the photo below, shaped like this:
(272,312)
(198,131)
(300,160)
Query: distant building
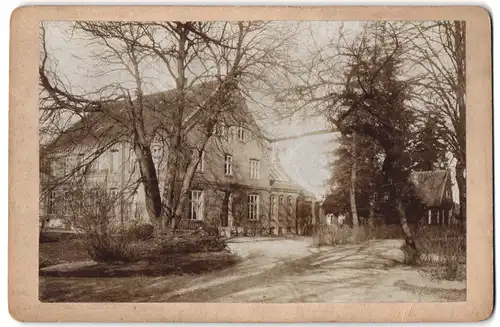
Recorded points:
(433,188)
(239,185)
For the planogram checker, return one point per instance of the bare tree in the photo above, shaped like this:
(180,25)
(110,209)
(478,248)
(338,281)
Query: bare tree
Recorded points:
(352,188)
(363,93)
(438,50)
(234,55)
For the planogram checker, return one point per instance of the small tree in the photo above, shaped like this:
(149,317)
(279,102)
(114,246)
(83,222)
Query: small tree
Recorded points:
(94,217)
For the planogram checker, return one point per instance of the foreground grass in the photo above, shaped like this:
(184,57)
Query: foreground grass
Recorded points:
(451,295)
(67,272)
(85,289)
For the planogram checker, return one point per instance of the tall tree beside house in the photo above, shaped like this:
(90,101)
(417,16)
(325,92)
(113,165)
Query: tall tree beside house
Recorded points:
(353,180)
(428,151)
(370,98)
(233,54)
(367,179)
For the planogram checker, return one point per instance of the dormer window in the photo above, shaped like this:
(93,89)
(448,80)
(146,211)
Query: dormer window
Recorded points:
(219,129)
(242,134)
(114,163)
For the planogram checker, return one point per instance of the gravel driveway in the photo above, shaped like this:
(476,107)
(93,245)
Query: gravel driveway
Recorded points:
(291,270)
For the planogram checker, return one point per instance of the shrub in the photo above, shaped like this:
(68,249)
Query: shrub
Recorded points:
(335,234)
(194,242)
(443,251)
(141,232)
(392,231)
(93,218)
(111,249)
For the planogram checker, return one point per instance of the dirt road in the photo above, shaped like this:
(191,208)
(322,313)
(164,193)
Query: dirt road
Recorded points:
(279,270)
(285,270)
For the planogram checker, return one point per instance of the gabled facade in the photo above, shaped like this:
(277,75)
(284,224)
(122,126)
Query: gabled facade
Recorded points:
(433,189)
(239,185)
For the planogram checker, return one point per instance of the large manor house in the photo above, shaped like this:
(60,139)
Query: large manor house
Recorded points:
(239,184)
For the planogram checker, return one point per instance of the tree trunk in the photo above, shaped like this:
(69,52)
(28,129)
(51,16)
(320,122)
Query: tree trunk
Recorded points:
(411,247)
(352,190)
(460,93)
(150,183)
(462,193)
(186,185)
(397,179)
(371,211)
(175,140)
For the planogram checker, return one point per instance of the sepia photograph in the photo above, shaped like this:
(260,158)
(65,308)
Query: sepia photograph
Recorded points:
(252,161)
(250,164)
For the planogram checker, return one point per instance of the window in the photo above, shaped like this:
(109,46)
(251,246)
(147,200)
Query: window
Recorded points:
(254,169)
(196,205)
(65,203)
(253,206)
(290,208)
(156,151)
(96,164)
(113,197)
(51,205)
(114,160)
(242,134)
(81,163)
(228,164)
(219,129)
(281,205)
(201,163)
(93,198)
(65,165)
(273,205)
(157,154)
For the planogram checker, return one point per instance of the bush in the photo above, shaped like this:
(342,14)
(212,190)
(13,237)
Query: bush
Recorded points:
(194,242)
(142,232)
(443,251)
(335,234)
(111,249)
(94,218)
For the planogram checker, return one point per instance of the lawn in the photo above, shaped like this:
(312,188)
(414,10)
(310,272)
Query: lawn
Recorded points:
(68,257)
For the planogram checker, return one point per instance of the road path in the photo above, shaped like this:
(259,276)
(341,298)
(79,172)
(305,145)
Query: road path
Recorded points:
(288,270)
(277,270)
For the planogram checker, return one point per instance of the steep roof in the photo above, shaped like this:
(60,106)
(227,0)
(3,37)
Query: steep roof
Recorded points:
(430,186)
(112,119)
(282,180)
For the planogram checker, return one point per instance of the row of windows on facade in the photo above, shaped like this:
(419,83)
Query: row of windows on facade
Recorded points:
(113,164)
(242,134)
(197,205)
(59,204)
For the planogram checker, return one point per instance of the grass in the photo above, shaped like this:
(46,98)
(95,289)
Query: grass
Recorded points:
(153,262)
(64,251)
(443,252)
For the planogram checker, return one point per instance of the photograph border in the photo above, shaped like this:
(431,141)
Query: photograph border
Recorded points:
(24,304)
